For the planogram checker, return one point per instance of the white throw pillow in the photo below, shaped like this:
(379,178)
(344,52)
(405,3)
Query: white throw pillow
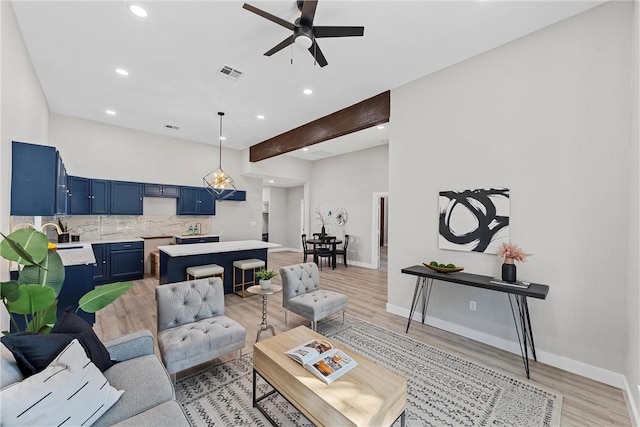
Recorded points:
(70,391)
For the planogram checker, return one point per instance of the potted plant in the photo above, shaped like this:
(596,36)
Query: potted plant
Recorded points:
(511,253)
(40,279)
(265,277)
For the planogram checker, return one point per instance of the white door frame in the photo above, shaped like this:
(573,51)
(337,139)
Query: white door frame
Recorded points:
(375,227)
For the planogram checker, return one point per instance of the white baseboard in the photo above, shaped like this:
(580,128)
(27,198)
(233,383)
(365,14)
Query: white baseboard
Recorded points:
(281,249)
(593,372)
(632,408)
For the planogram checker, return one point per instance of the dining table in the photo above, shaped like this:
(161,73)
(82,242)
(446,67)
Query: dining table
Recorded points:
(322,241)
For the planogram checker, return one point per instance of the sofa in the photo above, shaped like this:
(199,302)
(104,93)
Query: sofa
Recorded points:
(148,398)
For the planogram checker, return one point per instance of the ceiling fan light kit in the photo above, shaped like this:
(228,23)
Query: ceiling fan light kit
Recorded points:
(218,183)
(304,33)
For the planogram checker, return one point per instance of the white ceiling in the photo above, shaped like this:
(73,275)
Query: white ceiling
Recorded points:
(174,56)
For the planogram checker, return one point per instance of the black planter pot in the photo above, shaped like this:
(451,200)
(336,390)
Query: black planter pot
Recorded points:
(509,272)
(63,238)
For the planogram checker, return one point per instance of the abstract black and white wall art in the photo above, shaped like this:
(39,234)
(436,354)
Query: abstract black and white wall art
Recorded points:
(474,220)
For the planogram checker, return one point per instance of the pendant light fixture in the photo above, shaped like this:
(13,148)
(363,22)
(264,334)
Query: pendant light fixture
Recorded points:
(219,183)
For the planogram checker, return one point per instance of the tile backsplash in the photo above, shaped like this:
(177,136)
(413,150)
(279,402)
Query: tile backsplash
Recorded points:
(105,227)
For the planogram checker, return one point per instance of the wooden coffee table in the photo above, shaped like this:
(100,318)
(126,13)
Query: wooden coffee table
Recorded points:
(368,395)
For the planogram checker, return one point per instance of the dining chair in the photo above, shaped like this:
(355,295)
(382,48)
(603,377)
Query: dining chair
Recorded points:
(306,250)
(343,251)
(325,250)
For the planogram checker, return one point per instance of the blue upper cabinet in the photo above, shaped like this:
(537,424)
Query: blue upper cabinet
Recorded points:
(79,195)
(238,196)
(62,197)
(160,190)
(88,196)
(33,179)
(100,196)
(126,198)
(195,201)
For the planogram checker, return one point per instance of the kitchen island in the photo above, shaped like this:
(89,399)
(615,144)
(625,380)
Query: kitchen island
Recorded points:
(175,259)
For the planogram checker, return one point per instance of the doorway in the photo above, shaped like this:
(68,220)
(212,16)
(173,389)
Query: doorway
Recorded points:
(380,230)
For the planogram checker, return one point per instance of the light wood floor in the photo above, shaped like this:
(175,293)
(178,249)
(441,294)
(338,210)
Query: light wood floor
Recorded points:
(586,402)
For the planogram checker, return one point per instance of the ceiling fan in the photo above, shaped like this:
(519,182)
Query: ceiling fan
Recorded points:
(304,32)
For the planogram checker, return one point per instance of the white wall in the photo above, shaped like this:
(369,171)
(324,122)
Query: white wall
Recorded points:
(97,150)
(24,112)
(632,362)
(278,220)
(349,181)
(294,196)
(548,116)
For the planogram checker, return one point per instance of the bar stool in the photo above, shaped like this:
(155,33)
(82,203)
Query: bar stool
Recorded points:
(209,270)
(244,265)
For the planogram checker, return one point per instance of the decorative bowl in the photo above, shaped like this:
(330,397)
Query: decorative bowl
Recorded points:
(443,269)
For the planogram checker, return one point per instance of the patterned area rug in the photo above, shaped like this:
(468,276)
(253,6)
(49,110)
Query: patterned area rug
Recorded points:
(444,390)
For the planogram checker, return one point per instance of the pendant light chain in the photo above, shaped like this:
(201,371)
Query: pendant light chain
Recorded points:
(219,183)
(221,114)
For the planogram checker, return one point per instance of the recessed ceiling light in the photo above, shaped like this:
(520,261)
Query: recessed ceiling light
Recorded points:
(380,127)
(110,112)
(308,91)
(271,181)
(138,11)
(260,117)
(305,149)
(223,138)
(122,71)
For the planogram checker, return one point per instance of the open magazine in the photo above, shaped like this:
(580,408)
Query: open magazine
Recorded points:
(320,358)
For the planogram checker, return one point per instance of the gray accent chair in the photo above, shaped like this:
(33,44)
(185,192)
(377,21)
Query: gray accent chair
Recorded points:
(192,327)
(301,294)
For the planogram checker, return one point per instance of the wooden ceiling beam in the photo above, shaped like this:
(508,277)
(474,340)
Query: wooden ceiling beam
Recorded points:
(363,115)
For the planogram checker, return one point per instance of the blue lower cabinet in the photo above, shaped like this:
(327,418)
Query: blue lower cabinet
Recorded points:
(78,280)
(101,269)
(126,261)
(118,262)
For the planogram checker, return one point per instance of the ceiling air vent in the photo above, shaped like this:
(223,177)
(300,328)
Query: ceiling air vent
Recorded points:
(172,127)
(230,72)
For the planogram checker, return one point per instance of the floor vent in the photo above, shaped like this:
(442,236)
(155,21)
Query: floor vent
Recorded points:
(172,127)
(230,72)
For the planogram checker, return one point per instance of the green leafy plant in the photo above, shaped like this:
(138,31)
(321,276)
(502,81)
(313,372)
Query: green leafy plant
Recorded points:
(40,279)
(266,274)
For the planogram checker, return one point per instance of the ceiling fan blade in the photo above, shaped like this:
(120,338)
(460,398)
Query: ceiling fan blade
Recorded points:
(269,16)
(321,32)
(284,43)
(317,54)
(308,12)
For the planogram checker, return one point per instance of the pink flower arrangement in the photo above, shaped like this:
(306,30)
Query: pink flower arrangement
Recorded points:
(509,250)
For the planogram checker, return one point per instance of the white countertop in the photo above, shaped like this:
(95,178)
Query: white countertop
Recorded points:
(79,253)
(194,236)
(217,247)
(75,253)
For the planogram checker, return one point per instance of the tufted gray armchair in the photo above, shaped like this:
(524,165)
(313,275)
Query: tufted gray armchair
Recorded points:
(301,294)
(192,327)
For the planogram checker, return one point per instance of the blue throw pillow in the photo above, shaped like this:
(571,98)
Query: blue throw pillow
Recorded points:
(75,326)
(34,352)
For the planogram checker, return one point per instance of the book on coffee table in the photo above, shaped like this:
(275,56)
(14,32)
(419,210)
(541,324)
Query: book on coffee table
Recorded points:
(323,360)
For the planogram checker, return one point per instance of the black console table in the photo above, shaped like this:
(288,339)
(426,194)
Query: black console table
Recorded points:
(517,293)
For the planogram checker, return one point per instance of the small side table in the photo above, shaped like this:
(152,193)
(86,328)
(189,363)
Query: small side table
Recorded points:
(264,292)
